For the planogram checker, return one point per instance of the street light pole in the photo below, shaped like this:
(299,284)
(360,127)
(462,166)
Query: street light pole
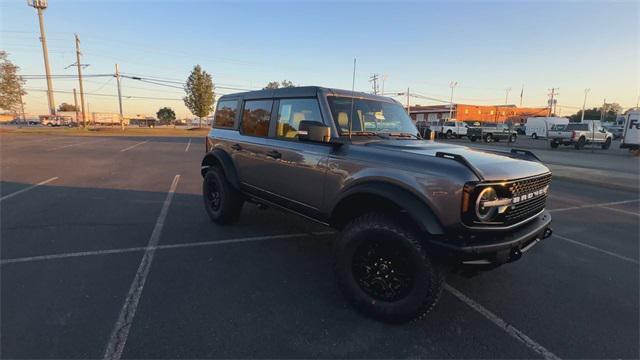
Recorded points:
(84,114)
(506,98)
(452,85)
(119,97)
(40,5)
(584,103)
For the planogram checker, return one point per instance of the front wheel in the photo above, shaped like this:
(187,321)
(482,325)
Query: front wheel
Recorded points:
(488,138)
(449,134)
(222,201)
(580,144)
(473,139)
(384,271)
(534,136)
(512,138)
(607,144)
(553,144)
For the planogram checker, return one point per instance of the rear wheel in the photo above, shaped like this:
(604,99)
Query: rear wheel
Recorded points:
(473,138)
(554,144)
(383,270)
(449,134)
(488,138)
(222,201)
(534,136)
(512,138)
(580,143)
(607,144)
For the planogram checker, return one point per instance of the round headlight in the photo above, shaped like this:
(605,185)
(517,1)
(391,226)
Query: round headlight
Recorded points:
(486,213)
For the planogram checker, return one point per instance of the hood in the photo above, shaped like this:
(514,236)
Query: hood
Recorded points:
(491,164)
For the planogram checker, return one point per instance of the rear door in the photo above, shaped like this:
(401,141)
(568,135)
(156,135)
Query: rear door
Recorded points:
(250,150)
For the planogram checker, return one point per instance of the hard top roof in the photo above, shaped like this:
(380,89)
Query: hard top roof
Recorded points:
(302,91)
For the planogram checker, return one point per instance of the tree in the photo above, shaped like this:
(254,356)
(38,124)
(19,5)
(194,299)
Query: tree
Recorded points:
(166,116)
(611,111)
(277,85)
(67,107)
(11,85)
(200,94)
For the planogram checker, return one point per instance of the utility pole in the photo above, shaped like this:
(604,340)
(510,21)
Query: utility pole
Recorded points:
(584,103)
(506,97)
(552,100)
(384,78)
(452,85)
(119,97)
(604,105)
(408,109)
(40,5)
(374,79)
(521,94)
(75,103)
(24,117)
(84,116)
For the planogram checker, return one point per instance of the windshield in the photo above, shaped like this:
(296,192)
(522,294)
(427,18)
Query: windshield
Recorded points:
(370,116)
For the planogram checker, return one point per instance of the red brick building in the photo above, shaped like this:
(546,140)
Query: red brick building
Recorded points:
(473,113)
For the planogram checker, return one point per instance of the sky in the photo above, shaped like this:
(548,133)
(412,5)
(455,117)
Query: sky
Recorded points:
(486,47)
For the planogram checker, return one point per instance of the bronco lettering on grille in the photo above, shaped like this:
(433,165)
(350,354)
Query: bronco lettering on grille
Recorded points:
(529,196)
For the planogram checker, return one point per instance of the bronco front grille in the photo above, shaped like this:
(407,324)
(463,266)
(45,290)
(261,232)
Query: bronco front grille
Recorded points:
(527,208)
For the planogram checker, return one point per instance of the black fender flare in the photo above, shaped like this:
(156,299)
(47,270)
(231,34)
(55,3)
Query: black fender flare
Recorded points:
(218,156)
(418,210)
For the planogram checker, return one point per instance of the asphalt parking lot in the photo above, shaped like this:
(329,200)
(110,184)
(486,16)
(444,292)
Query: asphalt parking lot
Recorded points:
(106,249)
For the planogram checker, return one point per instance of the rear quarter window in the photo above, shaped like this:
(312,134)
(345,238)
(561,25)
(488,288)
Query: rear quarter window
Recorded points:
(226,114)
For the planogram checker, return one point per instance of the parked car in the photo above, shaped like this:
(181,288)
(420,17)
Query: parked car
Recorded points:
(537,126)
(579,135)
(55,120)
(454,129)
(615,130)
(353,161)
(490,132)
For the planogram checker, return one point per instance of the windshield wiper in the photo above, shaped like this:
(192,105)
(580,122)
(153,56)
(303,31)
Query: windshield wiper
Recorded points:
(400,134)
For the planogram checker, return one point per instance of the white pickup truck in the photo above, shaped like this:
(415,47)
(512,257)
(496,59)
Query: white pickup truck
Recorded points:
(454,129)
(579,135)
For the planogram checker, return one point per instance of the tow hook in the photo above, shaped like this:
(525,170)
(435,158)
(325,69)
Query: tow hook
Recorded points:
(547,232)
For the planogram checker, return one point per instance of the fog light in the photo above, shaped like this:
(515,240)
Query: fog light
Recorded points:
(486,213)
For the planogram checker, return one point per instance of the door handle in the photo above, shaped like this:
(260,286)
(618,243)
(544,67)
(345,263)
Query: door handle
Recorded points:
(274,154)
(236,147)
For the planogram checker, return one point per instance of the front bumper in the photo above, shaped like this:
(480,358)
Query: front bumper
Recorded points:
(495,248)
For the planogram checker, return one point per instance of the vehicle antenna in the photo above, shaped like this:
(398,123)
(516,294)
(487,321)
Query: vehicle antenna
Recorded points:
(353,86)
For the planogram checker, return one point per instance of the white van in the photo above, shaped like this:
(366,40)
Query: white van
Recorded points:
(631,132)
(537,127)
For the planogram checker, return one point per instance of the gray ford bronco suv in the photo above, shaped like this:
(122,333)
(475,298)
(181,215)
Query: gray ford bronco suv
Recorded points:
(407,209)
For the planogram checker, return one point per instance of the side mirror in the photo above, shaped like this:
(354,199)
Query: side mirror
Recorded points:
(314,131)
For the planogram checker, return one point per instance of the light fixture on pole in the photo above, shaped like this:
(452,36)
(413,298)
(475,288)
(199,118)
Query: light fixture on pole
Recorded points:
(40,5)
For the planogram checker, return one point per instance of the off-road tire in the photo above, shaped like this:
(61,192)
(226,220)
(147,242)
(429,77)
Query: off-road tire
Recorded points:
(230,200)
(553,144)
(580,143)
(427,277)
(607,144)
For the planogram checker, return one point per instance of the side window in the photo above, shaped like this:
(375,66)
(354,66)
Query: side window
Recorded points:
(291,112)
(225,114)
(255,117)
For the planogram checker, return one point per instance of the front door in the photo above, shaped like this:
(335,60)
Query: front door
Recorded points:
(299,167)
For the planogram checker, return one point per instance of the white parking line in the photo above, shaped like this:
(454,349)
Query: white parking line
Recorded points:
(621,257)
(28,188)
(76,144)
(121,329)
(621,211)
(594,205)
(134,145)
(159,247)
(509,329)
(188,144)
